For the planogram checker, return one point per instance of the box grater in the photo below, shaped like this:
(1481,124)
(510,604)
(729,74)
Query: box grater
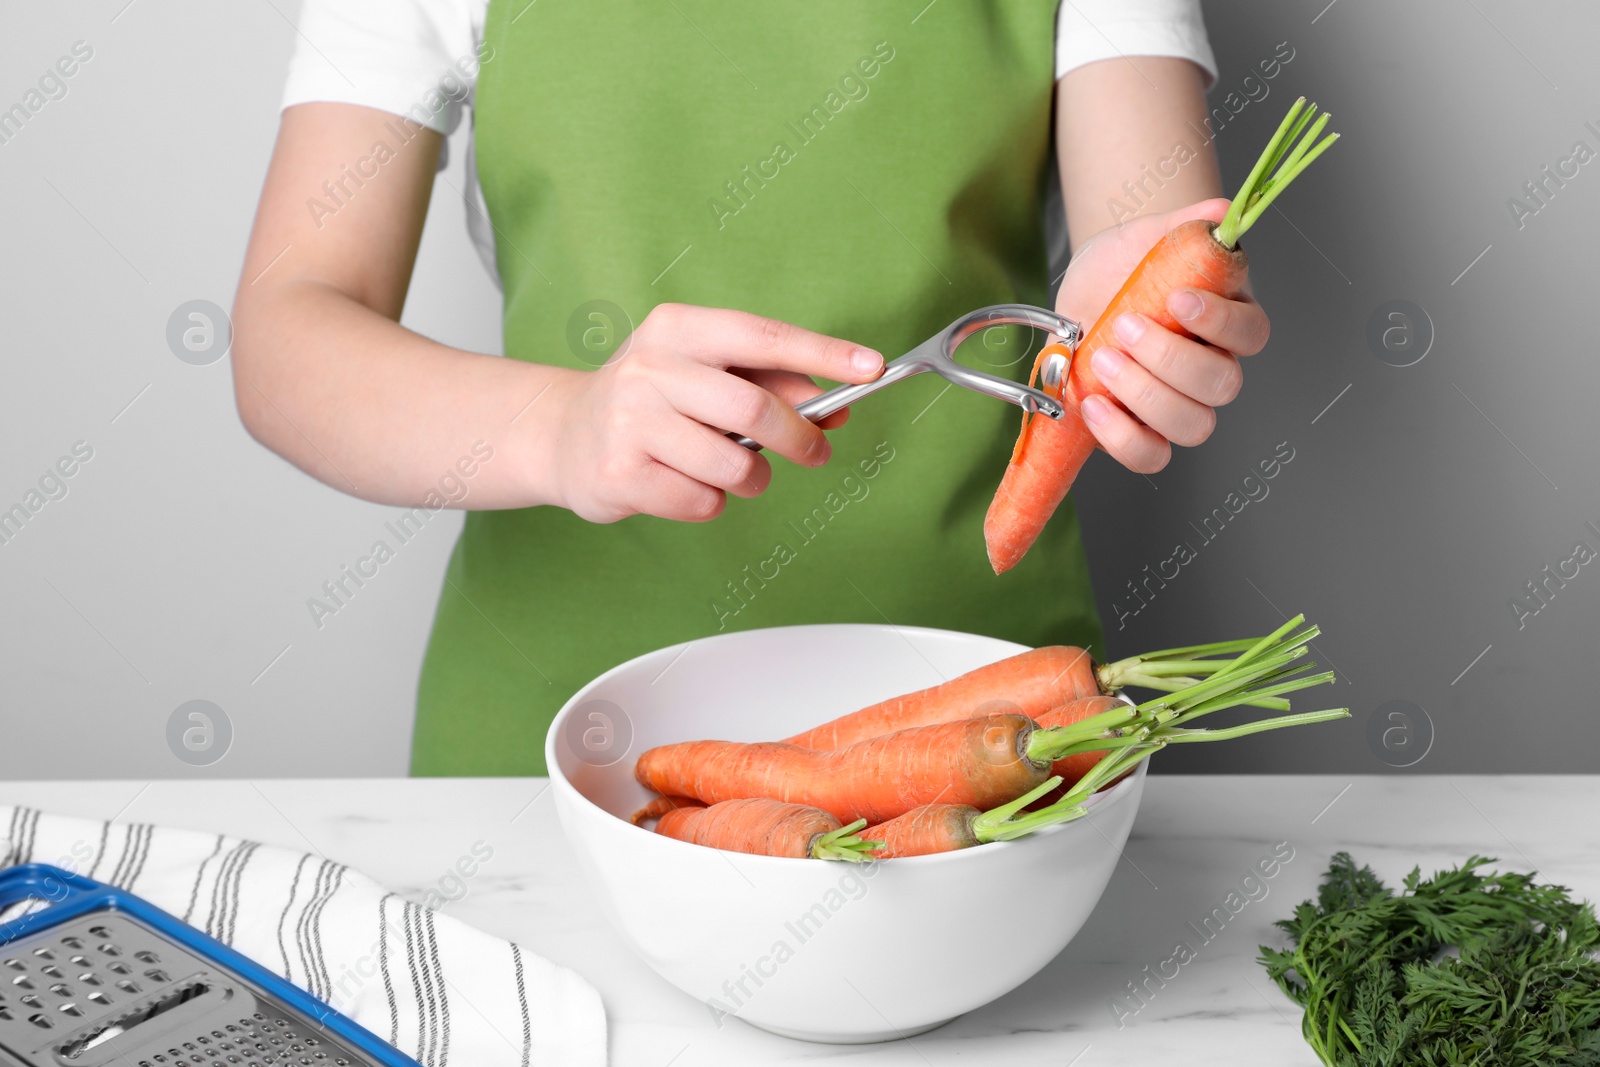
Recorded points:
(93,976)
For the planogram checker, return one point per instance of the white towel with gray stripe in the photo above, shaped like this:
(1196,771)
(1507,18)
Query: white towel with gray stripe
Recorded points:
(428,984)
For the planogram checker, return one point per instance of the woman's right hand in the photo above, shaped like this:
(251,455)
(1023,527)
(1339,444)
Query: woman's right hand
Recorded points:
(645,434)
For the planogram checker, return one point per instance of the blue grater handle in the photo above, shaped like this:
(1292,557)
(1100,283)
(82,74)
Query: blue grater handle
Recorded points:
(69,896)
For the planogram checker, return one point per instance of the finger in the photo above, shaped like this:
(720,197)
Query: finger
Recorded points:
(712,458)
(1237,326)
(1176,417)
(795,389)
(1136,447)
(729,402)
(722,337)
(671,494)
(791,388)
(1209,375)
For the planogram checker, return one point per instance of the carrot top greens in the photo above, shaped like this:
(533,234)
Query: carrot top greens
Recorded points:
(1279,165)
(1463,968)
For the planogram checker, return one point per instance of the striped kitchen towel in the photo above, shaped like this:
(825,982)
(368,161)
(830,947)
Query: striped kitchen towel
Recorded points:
(430,985)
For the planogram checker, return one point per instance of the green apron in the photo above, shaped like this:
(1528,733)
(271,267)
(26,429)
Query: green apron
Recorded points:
(865,170)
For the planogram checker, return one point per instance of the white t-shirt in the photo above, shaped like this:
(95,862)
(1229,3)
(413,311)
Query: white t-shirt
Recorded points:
(419,58)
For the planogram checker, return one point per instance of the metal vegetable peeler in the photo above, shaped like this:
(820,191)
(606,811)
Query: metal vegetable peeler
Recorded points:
(937,354)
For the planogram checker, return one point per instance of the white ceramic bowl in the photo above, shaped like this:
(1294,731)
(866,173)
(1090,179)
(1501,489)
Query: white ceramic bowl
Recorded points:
(807,948)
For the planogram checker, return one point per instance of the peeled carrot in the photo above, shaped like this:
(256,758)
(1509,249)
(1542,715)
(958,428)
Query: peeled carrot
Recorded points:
(761,827)
(1051,452)
(1197,254)
(1029,683)
(982,762)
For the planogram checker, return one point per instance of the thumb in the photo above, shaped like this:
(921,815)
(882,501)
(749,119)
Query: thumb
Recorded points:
(1211,210)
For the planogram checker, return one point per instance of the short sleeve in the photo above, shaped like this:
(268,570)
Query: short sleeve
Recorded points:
(1089,30)
(417,58)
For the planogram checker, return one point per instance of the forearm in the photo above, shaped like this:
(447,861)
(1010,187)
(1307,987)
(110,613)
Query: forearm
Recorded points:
(377,411)
(1130,137)
(325,375)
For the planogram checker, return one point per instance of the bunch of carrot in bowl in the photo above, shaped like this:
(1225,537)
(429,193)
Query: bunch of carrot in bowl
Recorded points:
(994,755)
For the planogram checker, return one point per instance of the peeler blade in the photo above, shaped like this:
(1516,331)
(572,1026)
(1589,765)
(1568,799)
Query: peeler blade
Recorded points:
(936,354)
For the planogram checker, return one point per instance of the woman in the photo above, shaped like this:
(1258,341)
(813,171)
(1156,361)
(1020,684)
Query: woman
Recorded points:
(755,198)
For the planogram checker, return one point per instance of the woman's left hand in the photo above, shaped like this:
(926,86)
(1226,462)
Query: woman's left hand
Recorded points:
(1169,386)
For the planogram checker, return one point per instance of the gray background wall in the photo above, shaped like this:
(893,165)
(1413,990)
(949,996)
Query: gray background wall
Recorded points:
(178,563)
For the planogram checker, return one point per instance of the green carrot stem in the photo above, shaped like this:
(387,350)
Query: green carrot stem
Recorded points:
(1174,685)
(992,823)
(1288,140)
(1214,648)
(1282,183)
(1267,642)
(1161,735)
(1038,820)
(1105,744)
(1112,675)
(844,844)
(1225,682)
(1054,743)
(1070,806)
(1304,143)
(1108,769)
(1009,822)
(1253,684)
(1258,683)
(1229,231)
(1223,703)
(1159,668)
(1150,670)
(1175,735)
(1116,674)
(1044,744)
(1167,728)
(1158,682)
(1293,148)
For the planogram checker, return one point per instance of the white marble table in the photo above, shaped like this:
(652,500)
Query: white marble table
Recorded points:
(1195,841)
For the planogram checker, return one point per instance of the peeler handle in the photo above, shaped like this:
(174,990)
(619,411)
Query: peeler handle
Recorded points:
(937,354)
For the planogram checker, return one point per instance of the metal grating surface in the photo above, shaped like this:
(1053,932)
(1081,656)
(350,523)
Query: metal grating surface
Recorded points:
(105,989)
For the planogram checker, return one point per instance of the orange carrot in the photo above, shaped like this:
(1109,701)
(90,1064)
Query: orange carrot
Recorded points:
(982,762)
(928,829)
(1029,683)
(762,827)
(951,827)
(1197,254)
(1050,452)
(936,828)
